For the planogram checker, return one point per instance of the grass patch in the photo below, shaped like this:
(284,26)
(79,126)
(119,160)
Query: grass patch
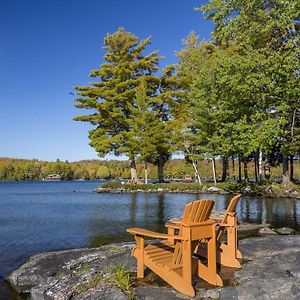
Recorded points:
(119,276)
(82,269)
(90,284)
(116,275)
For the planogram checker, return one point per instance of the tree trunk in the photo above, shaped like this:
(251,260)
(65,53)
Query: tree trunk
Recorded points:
(233,167)
(146,172)
(240,167)
(246,169)
(267,170)
(260,157)
(285,165)
(291,167)
(134,177)
(255,169)
(213,162)
(195,166)
(285,170)
(160,169)
(225,169)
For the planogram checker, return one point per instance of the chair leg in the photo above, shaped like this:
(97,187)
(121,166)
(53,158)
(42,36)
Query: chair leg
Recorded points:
(139,254)
(209,272)
(228,257)
(232,241)
(187,261)
(171,231)
(239,254)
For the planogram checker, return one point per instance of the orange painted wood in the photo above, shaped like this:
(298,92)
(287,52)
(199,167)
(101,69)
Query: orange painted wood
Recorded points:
(172,259)
(144,232)
(227,252)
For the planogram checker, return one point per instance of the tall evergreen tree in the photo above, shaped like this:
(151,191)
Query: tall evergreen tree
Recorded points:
(192,57)
(266,78)
(110,98)
(152,123)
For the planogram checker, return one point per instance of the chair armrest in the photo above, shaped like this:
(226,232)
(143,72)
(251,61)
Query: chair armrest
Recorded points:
(171,225)
(217,218)
(224,225)
(192,224)
(175,221)
(232,214)
(153,234)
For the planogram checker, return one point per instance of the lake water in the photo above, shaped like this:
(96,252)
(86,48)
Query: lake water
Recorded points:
(43,216)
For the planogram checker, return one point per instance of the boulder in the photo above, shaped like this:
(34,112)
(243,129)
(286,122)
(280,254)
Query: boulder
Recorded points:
(266,231)
(270,270)
(285,231)
(247,190)
(214,189)
(249,230)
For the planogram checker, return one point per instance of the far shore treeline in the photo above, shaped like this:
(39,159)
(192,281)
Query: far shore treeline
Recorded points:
(233,99)
(175,169)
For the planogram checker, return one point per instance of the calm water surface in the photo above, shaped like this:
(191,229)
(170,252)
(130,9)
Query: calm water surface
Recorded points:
(43,216)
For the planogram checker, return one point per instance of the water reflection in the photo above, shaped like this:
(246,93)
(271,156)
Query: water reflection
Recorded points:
(132,209)
(44,216)
(151,211)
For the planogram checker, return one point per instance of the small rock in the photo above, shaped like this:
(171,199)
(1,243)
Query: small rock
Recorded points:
(103,292)
(218,213)
(285,231)
(214,189)
(266,231)
(101,190)
(246,190)
(247,229)
(210,294)
(160,190)
(154,292)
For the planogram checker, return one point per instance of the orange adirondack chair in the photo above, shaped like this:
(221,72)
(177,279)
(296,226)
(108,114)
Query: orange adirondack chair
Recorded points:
(174,262)
(227,251)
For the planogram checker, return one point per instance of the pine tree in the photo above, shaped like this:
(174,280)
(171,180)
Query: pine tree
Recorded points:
(151,128)
(110,98)
(264,77)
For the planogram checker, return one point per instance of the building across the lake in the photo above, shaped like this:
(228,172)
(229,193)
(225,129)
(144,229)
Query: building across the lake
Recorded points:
(53,177)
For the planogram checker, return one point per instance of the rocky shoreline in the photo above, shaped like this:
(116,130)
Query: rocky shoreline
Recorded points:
(246,191)
(270,270)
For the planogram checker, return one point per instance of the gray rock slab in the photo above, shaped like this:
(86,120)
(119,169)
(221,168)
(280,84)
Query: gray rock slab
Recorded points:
(158,292)
(270,270)
(248,230)
(103,292)
(267,231)
(214,189)
(55,275)
(285,231)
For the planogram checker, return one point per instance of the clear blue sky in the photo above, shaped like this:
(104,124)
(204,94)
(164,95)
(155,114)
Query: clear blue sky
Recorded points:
(49,46)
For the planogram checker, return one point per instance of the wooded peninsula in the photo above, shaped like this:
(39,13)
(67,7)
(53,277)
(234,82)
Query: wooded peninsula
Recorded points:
(235,97)
(230,105)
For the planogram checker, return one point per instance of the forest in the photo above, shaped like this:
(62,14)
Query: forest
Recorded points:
(233,99)
(230,106)
(175,169)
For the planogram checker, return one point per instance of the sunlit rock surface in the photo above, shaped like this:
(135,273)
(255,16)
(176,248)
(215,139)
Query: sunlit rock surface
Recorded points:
(271,270)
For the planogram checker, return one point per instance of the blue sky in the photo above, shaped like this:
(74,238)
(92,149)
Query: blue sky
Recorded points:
(49,46)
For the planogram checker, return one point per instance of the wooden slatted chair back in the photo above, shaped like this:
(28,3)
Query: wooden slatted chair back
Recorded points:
(230,209)
(194,212)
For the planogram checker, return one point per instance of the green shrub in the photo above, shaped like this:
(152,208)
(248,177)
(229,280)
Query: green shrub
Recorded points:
(119,276)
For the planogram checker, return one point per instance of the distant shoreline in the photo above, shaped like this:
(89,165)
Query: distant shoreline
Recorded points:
(247,189)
